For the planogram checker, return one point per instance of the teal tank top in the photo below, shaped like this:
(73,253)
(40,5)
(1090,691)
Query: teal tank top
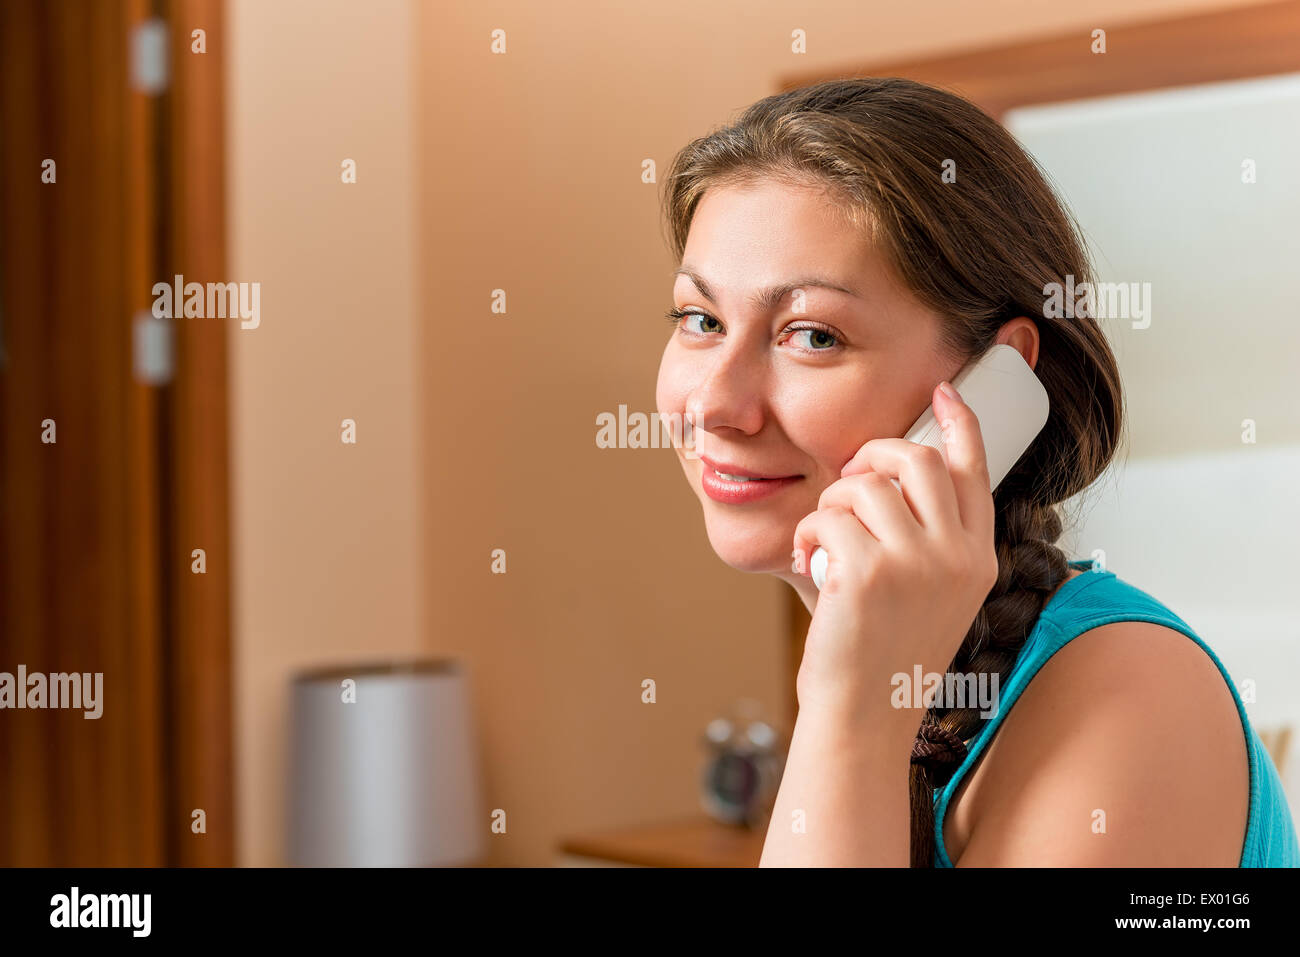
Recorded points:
(1095,598)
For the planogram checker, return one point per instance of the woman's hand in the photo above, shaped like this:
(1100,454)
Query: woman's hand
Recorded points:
(908,570)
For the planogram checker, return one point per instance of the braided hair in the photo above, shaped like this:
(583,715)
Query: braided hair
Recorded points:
(1029,570)
(978,248)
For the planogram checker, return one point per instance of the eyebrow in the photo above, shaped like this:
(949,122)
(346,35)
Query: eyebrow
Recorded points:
(765,298)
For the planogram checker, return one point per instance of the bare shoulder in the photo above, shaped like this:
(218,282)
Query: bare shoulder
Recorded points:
(1126,749)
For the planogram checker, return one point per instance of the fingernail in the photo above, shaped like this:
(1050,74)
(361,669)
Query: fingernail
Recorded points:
(946,388)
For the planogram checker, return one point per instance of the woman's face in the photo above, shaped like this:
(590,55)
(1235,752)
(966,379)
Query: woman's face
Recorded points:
(790,387)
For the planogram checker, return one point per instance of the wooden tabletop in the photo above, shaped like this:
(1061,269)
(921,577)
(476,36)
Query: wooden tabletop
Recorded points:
(693,842)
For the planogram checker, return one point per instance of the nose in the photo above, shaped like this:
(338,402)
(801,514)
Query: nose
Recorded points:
(730,397)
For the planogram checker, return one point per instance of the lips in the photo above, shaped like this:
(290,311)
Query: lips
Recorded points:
(737,485)
(729,469)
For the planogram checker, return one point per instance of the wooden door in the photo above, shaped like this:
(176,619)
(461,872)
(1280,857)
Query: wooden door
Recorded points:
(110,478)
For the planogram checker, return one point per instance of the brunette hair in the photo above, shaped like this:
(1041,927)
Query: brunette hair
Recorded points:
(978,251)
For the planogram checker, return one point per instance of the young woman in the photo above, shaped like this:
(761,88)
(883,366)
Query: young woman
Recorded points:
(845,249)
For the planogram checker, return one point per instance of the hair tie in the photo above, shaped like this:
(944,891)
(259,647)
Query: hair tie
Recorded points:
(938,750)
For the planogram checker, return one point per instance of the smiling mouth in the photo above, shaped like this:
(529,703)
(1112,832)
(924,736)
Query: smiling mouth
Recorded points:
(732,485)
(734,473)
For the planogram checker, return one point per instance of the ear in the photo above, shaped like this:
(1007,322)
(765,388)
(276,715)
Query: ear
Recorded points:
(1022,335)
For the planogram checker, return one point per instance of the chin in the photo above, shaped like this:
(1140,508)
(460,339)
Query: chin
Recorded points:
(749,546)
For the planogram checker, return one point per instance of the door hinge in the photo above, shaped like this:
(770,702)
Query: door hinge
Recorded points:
(155,349)
(149,56)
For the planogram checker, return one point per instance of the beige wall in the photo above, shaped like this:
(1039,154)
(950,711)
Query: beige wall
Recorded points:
(327,562)
(519,172)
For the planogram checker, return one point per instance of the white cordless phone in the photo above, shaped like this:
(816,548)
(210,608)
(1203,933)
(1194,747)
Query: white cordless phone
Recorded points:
(1011,405)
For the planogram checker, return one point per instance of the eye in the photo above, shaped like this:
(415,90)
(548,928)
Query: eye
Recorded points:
(818,339)
(675,316)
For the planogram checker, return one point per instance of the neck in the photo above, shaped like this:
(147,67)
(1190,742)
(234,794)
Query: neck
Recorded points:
(804,587)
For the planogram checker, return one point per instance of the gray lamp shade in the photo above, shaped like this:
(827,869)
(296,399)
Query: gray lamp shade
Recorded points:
(390,779)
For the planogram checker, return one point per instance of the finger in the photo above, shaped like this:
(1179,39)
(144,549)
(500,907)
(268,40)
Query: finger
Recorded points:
(923,473)
(967,461)
(877,502)
(838,530)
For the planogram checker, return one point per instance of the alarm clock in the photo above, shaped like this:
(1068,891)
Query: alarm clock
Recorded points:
(743,768)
